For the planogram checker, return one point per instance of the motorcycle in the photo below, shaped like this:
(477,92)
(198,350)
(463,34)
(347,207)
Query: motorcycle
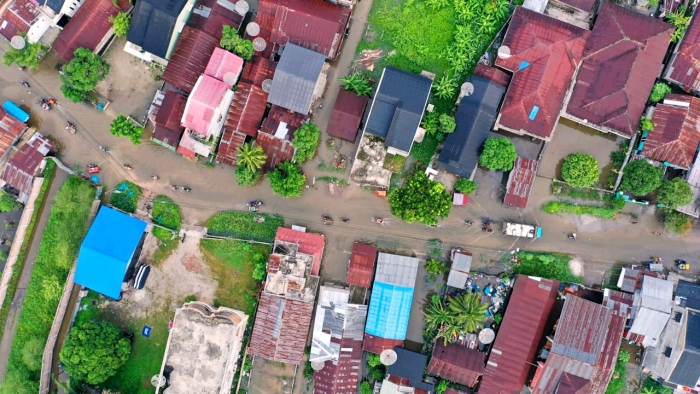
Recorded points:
(126,166)
(44,104)
(70,127)
(344,220)
(25,84)
(573,236)
(105,149)
(469,223)
(487,230)
(154,177)
(185,189)
(327,220)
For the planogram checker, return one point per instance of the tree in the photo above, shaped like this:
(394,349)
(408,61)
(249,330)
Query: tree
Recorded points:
(260,270)
(365,388)
(437,314)
(659,91)
(641,178)
(435,267)
(498,154)
(232,42)
(373,360)
(676,222)
(645,124)
(580,170)
(94,351)
(123,127)
(120,24)
(246,177)
(680,20)
(468,311)
(250,156)
(420,200)
(305,142)
(32,352)
(287,180)
(675,193)
(7,203)
(357,83)
(29,56)
(465,186)
(82,74)
(445,87)
(441,387)
(447,124)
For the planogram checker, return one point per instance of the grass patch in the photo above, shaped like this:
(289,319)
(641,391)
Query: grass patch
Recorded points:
(166,245)
(394,163)
(603,212)
(332,179)
(239,224)
(424,151)
(545,265)
(125,196)
(582,193)
(618,383)
(58,249)
(166,213)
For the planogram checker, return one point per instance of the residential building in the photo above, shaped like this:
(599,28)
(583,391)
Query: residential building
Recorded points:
(18,18)
(347,115)
(475,118)
(57,13)
(457,362)
(19,172)
(406,374)
(168,130)
(155,28)
(203,348)
(651,310)
(397,109)
(109,252)
(621,61)
(390,302)
(675,137)
(542,53)
(224,66)
(515,348)
(189,59)
(276,134)
(684,67)
(361,266)
(459,268)
(521,180)
(576,12)
(210,16)
(630,279)
(298,79)
(11,128)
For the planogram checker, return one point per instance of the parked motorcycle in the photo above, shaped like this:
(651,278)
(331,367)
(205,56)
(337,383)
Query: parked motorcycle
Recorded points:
(70,126)
(126,166)
(25,84)
(573,236)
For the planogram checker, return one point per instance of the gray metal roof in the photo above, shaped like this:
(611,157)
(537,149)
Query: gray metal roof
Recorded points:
(657,294)
(295,78)
(335,319)
(686,371)
(397,270)
(457,279)
(153,23)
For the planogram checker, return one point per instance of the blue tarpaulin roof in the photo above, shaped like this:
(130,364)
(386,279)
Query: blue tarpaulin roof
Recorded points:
(389,310)
(107,250)
(14,110)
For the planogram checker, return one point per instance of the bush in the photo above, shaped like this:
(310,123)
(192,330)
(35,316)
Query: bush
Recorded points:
(7,203)
(365,388)
(618,383)
(123,127)
(498,154)
(659,91)
(243,225)
(373,360)
(465,186)
(125,196)
(645,124)
(434,267)
(430,122)
(423,151)
(305,142)
(166,213)
(246,177)
(447,124)
(232,42)
(420,200)
(580,170)
(675,193)
(32,352)
(676,222)
(287,180)
(555,207)
(120,24)
(641,178)
(545,265)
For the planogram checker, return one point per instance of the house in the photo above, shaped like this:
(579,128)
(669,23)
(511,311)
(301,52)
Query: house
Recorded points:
(390,302)
(693,179)
(210,16)
(18,18)
(189,59)
(298,80)
(620,301)
(675,136)
(542,53)
(651,310)
(168,130)
(621,61)
(584,349)
(397,109)
(155,28)
(520,182)
(276,133)
(224,66)
(347,115)
(11,128)
(313,24)
(361,266)
(522,329)
(576,12)
(684,66)
(457,363)
(475,118)
(109,252)
(19,172)
(406,374)
(459,269)
(56,13)
(203,348)
(336,344)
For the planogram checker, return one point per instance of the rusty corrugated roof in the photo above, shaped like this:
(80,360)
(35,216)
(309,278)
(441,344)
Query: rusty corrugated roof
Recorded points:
(189,59)
(24,165)
(228,147)
(277,115)
(257,70)
(675,136)
(276,149)
(457,363)
(520,182)
(684,68)
(18,18)
(361,267)
(376,345)
(347,115)
(247,110)
(210,16)
(11,129)
(343,377)
(171,110)
(584,5)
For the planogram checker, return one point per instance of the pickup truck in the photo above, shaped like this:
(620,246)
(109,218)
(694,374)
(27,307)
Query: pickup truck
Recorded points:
(522,230)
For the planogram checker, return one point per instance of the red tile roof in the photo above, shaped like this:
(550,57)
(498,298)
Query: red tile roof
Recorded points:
(314,24)
(347,115)
(492,74)
(361,268)
(684,68)
(376,345)
(247,110)
(257,70)
(24,165)
(341,378)
(220,14)
(520,182)
(167,122)
(309,243)
(276,149)
(224,66)
(19,16)
(11,129)
(281,328)
(675,136)
(277,115)
(189,59)
(544,55)
(521,330)
(621,61)
(202,103)
(87,28)
(457,363)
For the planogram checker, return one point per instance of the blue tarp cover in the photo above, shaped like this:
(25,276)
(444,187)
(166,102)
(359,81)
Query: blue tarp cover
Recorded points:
(14,110)
(389,310)
(106,251)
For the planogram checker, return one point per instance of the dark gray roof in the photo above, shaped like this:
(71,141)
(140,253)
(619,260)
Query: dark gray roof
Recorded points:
(475,118)
(295,78)
(410,365)
(686,371)
(153,23)
(689,294)
(55,5)
(398,107)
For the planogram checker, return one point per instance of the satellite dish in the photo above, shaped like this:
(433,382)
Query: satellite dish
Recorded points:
(467,89)
(157,381)
(317,365)
(18,42)
(504,52)
(267,85)
(242,7)
(486,336)
(230,78)
(253,29)
(259,44)
(388,357)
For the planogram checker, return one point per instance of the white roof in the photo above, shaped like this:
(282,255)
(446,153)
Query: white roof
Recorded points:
(330,316)
(519,230)
(649,323)
(397,270)
(457,279)
(657,294)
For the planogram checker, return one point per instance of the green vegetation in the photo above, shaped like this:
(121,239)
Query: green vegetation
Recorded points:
(125,196)
(82,74)
(445,87)
(332,179)
(434,267)
(447,124)
(166,213)
(232,42)
(617,158)
(441,387)
(545,265)
(251,157)
(676,222)
(394,163)
(29,56)
(438,125)
(498,154)
(465,186)
(424,151)
(58,249)
(641,178)
(358,83)
(124,127)
(120,24)
(580,170)
(166,245)
(365,388)
(7,203)
(287,180)
(603,212)
(460,315)
(645,124)
(618,383)
(420,200)
(246,177)
(558,188)
(651,386)
(674,193)
(658,92)
(375,368)
(680,20)
(243,225)
(305,142)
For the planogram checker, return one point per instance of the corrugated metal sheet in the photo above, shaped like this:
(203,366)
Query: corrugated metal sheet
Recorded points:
(584,5)
(347,115)
(389,310)
(167,121)
(343,377)
(189,59)
(295,78)
(396,270)
(228,147)
(309,243)
(619,301)
(11,129)
(202,103)
(18,17)
(685,64)
(520,182)
(257,70)
(376,345)
(277,115)
(276,149)
(457,363)
(20,170)
(675,136)
(247,110)
(331,311)
(224,66)
(210,16)
(361,267)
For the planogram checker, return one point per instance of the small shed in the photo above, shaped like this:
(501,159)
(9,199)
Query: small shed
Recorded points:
(459,270)
(460,199)
(347,115)
(361,267)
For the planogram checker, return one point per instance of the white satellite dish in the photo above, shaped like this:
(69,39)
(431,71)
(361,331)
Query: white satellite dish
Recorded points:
(253,29)
(18,42)
(388,357)
(486,336)
(504,52)
(467,89)
(242,7)
(230,78)
(157,380)
(259,44)
(317,365)
(267,85)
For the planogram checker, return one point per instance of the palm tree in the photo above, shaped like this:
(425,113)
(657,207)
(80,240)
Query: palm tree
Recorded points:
(449,332)
(648,390)
(445,87)
(436,314)
(468,311)
(251,156)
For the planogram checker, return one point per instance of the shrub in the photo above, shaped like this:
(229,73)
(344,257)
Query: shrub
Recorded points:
(580,170)
(430,122)
(465,186)
(246,177)
(358,83)
(555,207)
(447,124)
(435,267)
(232,42)
(498,154)
(124,127)
(675,193)
(166,213)
(7,203)
(120,24)
(287,180)
(365,388)
(646,124)
(659,91)
(424,151)
(373,360)
(641,178)
(305,142)
(545,265)
(676,222)
(29,56)
(125,196)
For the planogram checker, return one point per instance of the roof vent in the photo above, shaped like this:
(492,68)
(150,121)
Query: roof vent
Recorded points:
(668,351)
(504,52)
(267,85)
(242,7)
(253,29)
(259,44)
(678,317)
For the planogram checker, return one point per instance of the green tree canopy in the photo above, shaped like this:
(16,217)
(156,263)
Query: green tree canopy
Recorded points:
(580,170)
(641,178)
(287,180)
(675,193)
(120,24)
(498,154)
(305,142)
(420,200)
(461,315)
(659,91)
(246,177)
(7,203)
(676,222)
(82,74)
(430,122)
(365,388)
(232,42)
(123,127)
(465,186)
(445,87)
(29,56)
(94,351)
(250,156)
(447,124)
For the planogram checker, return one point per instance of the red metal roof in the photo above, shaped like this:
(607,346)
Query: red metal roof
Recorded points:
(87,28)
(228,147)
(277,115)
(202,103)
(281,328)
(257,70)
(457,363)
(621,61)
(544,55)
(22,167)
(361,268)
(247,110)
(18,16)
(508,365)
(347,115)
(189,59)
(224,66)
(11,129)
(314,24)
(493,74)
(520,182)
(219,14)
(341,378)
(684,68)
(376,345)
(171,110)
(309,243)
(276,149)
(675,136)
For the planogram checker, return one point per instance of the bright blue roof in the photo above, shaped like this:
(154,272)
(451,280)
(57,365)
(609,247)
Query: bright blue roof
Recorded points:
(14,110)
(389,310)
(106,251)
